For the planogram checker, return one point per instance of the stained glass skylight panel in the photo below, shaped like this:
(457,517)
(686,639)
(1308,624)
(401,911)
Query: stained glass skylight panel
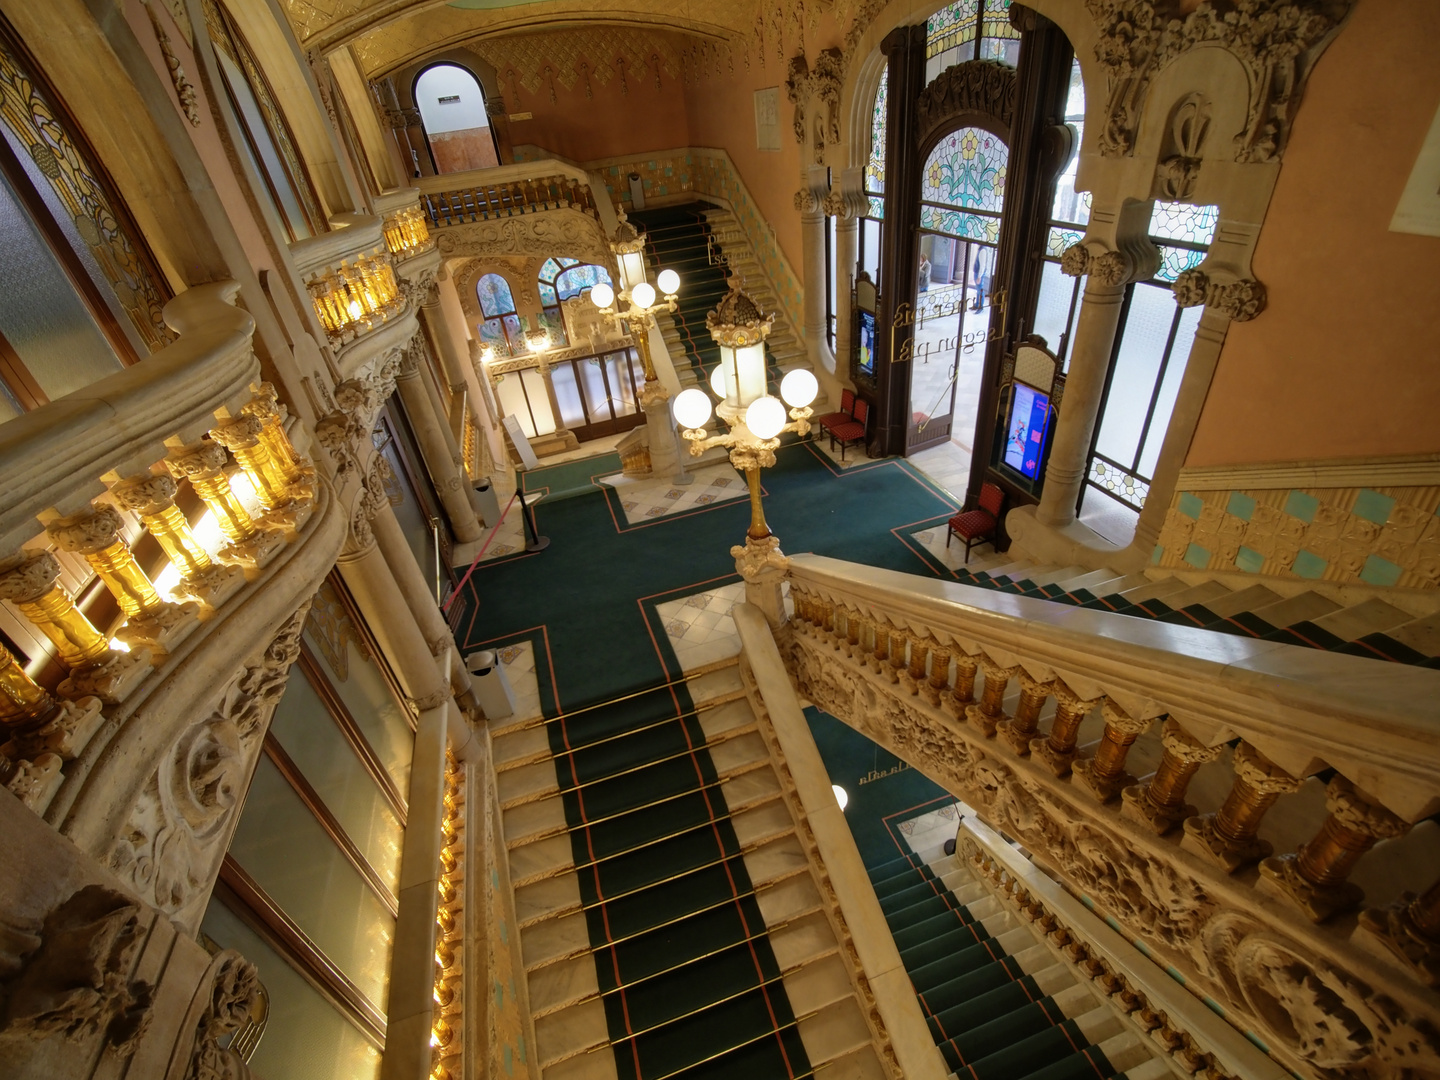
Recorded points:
(577,279)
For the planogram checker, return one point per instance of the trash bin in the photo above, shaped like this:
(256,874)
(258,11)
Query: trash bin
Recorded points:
(637,191)
(492,688)
(488,503)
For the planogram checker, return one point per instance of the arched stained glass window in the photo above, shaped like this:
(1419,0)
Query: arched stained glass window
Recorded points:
(577,279)
(875,167)
(501,328)
(970,30)
(962,187)
(560,279)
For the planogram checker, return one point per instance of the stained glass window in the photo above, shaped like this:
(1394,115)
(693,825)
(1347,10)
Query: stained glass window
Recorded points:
(970,30)
(577,279)
(966,168)
(952,26)
(1072,207)
(958,223)
(495,298)
(1189,230)
(875,168)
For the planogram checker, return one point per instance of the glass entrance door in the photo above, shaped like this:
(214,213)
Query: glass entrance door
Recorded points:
(599,395)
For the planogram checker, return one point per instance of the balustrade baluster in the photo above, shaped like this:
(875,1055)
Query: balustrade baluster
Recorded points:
(98,535)
(939,679)
(880,659)
(287,508)
(1104,775)
(962,696)
(203,464)
(34,587)
(1020,729)
(1228,836)
(991,710)
(1314,877)
(517,198)
(1409,929)
(36,722)
(152,496)
(1161,803)
(1058,748)
(294,469)
(914,675)
(854,626)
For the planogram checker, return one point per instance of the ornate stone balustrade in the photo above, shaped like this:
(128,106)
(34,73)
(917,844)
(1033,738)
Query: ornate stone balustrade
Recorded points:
(406,232)
(507,191)
(350,275)
(1133,797)
(140,750)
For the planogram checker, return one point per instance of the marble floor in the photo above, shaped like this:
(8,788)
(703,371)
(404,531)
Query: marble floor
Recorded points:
(645,499)
(952,557)
(700,628)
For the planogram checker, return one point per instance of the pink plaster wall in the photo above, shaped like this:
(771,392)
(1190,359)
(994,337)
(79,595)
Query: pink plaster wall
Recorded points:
(468,148)
(1343,362)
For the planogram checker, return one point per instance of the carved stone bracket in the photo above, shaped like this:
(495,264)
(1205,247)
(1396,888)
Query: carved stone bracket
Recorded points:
(1275,40)
(1107,267)
(1241,300)
(228,995)
(815,93)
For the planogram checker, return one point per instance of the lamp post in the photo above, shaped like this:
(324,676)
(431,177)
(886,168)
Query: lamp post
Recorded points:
(756,420)
(641,303)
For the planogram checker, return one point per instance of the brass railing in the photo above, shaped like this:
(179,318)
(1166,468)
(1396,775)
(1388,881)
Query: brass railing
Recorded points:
(1138,763)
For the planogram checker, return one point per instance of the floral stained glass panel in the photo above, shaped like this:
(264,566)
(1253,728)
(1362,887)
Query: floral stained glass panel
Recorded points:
(953,25)
(959,223)
(875,168)
(996,21)
(495,298)
(966,169)
(1174,261)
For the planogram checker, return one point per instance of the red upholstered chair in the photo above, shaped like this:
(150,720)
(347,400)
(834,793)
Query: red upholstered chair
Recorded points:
(844,416)
(854,431)
(978,525)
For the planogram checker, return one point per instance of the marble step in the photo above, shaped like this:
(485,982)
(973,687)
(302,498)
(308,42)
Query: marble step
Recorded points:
(1246,599)
(1155,590)
(1298,608)
(1422,635)
(1198,594)
(1373,616)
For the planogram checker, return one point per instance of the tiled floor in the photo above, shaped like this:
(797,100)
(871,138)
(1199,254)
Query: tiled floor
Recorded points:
(647,499)
(1108,518)
(854,455)
(933,828)
(953,557)
(700,628)
(518,664)
(948,465)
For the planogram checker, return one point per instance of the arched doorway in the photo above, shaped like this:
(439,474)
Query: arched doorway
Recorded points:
(962,193)
(452,110)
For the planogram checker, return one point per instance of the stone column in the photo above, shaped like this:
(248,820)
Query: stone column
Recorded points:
(382,601)
(1115,252)
(808,201)
(660,425)
(447,349)
(435,447)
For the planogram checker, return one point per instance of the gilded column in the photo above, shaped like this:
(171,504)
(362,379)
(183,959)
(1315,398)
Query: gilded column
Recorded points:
(1161,803)
(1314,877)
(203,464)
(1058,748)
(939,680)
(285,509)
(962,695)
(1020,729)
(98,535)
(33,586)
(297,470)
(991,710)
(152,496)
(37,724)
(1409,931)
(1229,837)
(1104,775)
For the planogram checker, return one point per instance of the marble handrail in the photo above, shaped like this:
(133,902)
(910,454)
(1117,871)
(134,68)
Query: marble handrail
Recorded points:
(53,458)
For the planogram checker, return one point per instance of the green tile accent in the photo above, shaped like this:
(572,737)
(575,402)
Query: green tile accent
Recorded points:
(1197,556)
(1190,505)
(1156,555)
(1249,560)
(1372,506)
(1302,506)
(1241,505)
(1378,571)
(1308,565)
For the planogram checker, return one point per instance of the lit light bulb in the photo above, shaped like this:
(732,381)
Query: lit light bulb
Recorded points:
(692,408)
(841,795)
(355,309)
(799,387)
(601,295)
(669,282)
(643,295)
(765,417)
(717,381)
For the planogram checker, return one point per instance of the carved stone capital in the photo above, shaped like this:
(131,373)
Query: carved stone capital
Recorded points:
(1281,873)
(161,627)
(150,493)
(1260,773)
(34,782)
(760,560)
(111,679)
(1122,722)
(1075,261)
(1240,300)
(30,580)
(1184,746)
(1355,812)
(806,201)
(90,531)
(1394,928)
(239,433)
(65,733)
(196,461)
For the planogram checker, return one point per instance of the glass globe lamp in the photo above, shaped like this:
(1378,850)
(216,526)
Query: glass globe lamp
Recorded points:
(765,417)
(692,408)
(602,295)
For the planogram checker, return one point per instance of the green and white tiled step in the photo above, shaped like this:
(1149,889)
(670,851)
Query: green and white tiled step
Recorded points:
(997,1003)
(1371,628)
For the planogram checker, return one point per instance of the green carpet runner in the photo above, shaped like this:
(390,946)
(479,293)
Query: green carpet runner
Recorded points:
(690,985)
(988,1017)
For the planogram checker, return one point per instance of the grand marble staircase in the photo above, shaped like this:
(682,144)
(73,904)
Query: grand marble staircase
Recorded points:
(1404,630)
(709,952)
(998,1003)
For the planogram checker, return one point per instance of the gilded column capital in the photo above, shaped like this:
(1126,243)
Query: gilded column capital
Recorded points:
(199,460)
(1069,700)
(1122,722)
(240,433)
(1260,773)
(1355,812)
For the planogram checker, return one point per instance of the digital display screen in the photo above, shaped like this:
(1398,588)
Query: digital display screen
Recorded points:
(867,342)
(1025,431)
